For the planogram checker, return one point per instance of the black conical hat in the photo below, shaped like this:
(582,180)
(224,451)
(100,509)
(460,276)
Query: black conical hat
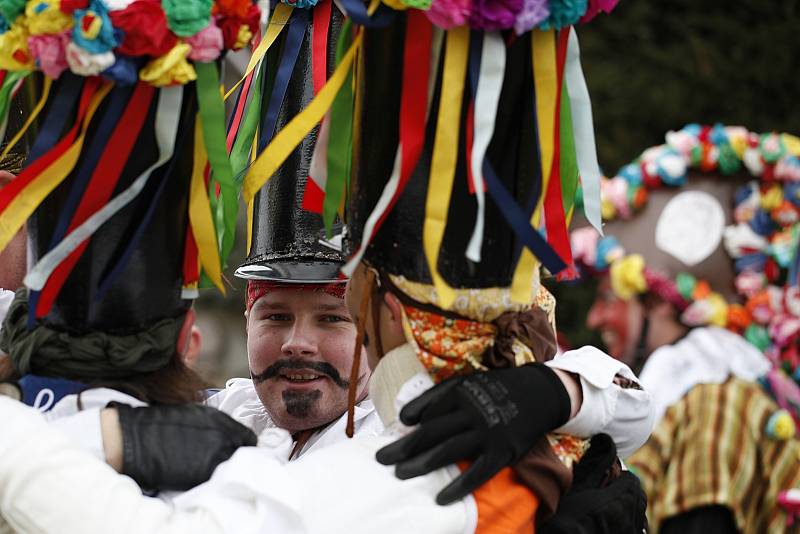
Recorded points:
(289,242)
(397,248)
(131,273)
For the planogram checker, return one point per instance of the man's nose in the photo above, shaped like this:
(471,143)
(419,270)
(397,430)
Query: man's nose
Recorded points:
(301,341)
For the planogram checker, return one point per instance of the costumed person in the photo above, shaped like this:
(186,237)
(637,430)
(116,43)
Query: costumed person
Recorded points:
(258,490)
(300,336)
(713,333)
(114,193)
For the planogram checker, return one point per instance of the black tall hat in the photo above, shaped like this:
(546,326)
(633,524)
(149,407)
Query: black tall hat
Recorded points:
(288,241)
(130,275)
(398,246)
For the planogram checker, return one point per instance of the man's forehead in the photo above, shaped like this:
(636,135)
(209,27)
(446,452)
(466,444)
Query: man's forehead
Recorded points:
(297,298)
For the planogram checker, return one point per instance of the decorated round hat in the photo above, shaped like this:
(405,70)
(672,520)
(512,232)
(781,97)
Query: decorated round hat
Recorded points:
(295,233)
(720,241)
(126,162)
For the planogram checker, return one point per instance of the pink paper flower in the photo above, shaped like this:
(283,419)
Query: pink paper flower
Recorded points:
(50,52)
(597,6)
(206,44)
(449,13)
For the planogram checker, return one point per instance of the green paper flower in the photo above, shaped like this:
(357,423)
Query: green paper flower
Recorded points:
(187,17)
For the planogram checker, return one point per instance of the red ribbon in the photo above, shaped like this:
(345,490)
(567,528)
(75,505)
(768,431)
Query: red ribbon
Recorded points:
(191,263)
(414,99)
(30,173)
(319,44)
(555,219)
(101,185)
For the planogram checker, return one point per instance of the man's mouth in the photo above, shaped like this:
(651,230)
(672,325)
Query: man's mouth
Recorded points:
(295,376)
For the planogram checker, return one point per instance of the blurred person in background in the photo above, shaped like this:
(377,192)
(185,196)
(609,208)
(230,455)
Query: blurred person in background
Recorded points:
(711,342)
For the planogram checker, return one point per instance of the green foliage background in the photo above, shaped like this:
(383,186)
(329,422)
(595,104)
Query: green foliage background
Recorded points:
(655,66)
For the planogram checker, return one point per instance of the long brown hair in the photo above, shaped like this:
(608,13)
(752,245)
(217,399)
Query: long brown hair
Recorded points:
(174,383)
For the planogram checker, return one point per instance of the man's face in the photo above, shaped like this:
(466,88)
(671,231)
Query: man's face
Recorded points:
(619,321)
(300,348)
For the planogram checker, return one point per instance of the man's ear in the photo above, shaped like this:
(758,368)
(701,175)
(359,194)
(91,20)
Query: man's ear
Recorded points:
(395,312)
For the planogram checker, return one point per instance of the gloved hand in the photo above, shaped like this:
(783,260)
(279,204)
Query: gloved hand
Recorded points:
(602,498)
(492,418)
(177,447)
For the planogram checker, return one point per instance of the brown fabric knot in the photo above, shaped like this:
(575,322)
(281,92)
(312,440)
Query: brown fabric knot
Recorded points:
(532,328)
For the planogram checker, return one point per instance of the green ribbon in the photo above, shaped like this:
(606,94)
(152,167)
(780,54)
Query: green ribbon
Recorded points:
(212,117)
(9,82)
(569,158)
(340,144)
(243,143)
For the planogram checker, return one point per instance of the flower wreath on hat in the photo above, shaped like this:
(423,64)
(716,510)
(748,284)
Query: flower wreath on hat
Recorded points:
(762,241)
(148,40)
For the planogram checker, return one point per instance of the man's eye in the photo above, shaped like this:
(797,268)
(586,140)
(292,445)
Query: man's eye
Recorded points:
(278,317)
(334,319)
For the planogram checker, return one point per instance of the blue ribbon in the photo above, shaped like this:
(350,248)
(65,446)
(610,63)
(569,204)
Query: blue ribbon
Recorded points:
(291,50)
(59,111)
(516,218)
(117,269)
(357,12)
(118,99)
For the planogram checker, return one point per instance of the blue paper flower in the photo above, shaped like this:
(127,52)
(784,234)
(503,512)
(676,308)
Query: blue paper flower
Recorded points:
(564,13)
(93,30)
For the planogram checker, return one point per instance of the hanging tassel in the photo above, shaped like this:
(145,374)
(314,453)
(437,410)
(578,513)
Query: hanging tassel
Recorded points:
(366,297)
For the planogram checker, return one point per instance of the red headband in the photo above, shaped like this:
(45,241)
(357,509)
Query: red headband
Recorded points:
(258,288)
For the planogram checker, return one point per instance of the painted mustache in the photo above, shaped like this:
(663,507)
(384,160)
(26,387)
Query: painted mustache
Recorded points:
(322,368)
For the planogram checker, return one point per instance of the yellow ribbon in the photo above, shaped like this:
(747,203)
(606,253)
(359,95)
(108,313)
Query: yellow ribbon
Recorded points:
(545,80)
(280,17)
(19,209)
(32,117)
(251,204)
(287,139)
(445,156)
(200,213)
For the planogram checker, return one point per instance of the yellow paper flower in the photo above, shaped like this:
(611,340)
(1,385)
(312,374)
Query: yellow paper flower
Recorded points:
(781,425)
(14,53)
(46,17)
(607,210)
(243,37)
(170,69)
(772,198)
(792,143)
(719,310)
(627,276)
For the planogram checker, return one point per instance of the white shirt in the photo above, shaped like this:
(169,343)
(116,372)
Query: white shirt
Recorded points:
(48,485)
(707,355)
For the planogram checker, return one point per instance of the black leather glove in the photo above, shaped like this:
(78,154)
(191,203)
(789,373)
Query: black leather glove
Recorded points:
(177,447)
(602,498)
(492,418)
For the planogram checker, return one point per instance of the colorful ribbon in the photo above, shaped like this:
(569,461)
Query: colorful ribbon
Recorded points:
(280,16)
(340,146)
(200,214)
(444,159)
(287,139)
(170,101)
(487,98)
(583,130)
(46,85)
(46,173)
(212,113)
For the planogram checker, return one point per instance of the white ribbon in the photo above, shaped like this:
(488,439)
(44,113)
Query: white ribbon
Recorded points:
(583,131)
(170,101)
(318,170)
(383,203)
(487,97)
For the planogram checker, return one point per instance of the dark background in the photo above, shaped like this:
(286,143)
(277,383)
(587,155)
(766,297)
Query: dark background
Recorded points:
(652,67)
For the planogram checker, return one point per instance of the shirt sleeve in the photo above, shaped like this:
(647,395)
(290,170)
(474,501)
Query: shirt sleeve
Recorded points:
(614,403)
(49,486)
